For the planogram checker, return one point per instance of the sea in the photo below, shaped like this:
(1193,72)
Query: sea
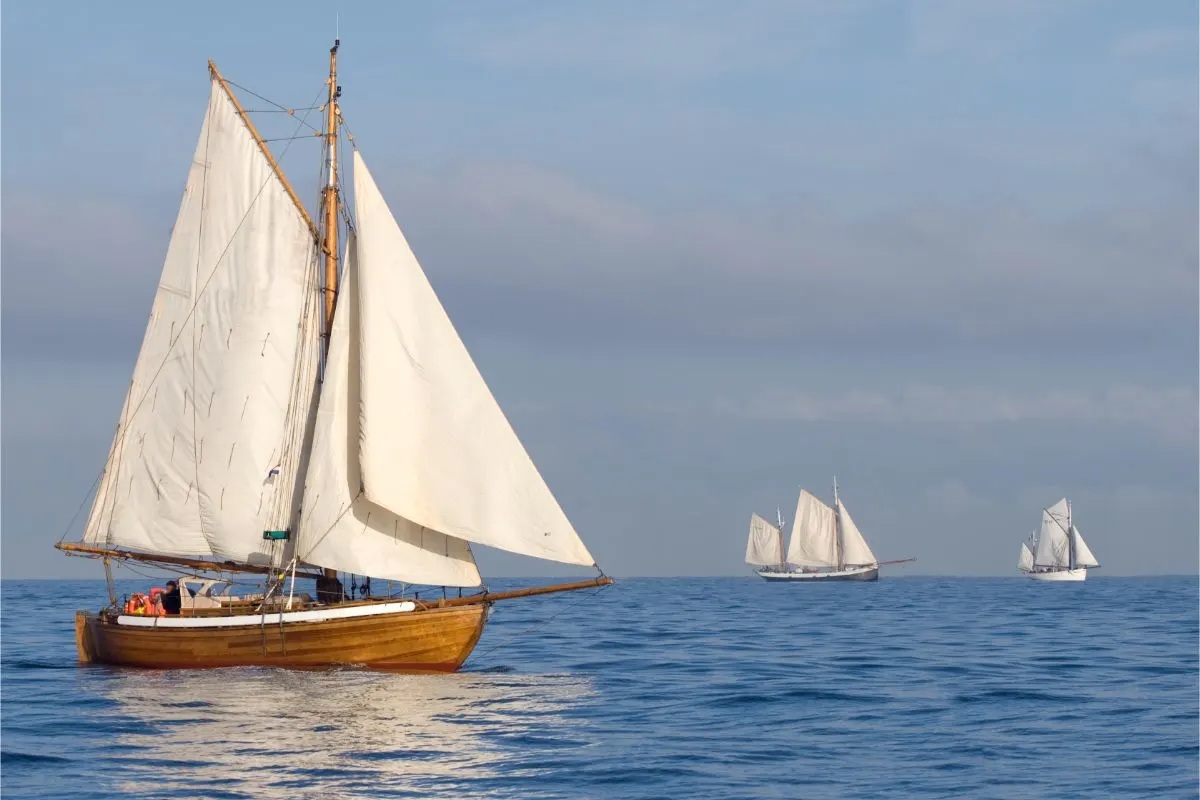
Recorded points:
(652,688)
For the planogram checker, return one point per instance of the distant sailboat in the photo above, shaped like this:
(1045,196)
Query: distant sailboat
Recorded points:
(1057,552)
(826,545)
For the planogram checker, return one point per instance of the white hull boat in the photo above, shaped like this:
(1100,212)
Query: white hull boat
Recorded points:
(1057,552)
(1060,575)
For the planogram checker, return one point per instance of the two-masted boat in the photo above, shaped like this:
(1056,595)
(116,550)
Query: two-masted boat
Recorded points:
(826,545)
(1057,551)
(300,411)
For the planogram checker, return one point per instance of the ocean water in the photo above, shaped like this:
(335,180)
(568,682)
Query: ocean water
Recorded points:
(680,688)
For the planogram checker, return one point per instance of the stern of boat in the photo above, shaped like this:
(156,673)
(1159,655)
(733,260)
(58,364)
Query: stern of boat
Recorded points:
(84,644)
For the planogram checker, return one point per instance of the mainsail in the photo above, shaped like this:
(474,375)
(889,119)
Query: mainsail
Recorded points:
(814,533)
(1053,548)
(209,445)
(764,547)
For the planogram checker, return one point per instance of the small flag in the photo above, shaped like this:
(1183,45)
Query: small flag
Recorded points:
(274,471)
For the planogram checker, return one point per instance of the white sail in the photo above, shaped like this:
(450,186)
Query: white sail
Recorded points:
(1025,562)
(1053,549)
(855,550)
(435,448)
(1083,553)
(814,533)
(209,446)
(340,529)
(765,545)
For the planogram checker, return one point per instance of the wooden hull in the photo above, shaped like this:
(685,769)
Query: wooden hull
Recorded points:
(435,639)
(848,574)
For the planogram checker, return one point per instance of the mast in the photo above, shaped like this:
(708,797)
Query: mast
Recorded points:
(330,198)
(330,201)
(837,525)
(1070,539)
(779,519)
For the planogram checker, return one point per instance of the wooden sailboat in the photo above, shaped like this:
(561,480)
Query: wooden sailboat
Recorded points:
(282,422)
(826,545)
(1057,552)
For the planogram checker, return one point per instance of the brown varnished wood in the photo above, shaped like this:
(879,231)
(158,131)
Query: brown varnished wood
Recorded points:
(491,597)
(436,639)
(438,636)
(92,551)
(83,638)
(266,151)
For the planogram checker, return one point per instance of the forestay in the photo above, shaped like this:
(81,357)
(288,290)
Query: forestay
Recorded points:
(814,533)
(209,445)
(855,550)
(340,528)
(765,545)
(435,448)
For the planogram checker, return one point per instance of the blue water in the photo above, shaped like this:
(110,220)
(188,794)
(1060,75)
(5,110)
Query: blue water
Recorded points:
(680,688)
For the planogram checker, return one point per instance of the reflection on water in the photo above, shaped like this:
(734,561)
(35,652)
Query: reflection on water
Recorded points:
(270,733)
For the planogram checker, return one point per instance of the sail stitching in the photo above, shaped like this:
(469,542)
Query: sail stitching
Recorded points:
(187,318)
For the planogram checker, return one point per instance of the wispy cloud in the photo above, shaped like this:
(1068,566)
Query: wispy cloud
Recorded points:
(670,40)
(1170,412)
(1157,42)
(572,261)
(984,29)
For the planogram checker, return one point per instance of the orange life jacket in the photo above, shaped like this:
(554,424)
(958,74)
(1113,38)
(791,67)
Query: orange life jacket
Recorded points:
(138,604)
(156,607)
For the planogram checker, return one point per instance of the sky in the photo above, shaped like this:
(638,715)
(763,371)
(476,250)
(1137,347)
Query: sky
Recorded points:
(704,253)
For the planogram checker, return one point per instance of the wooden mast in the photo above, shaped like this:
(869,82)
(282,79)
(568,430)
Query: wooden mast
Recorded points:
(330,200)
(200,564)
(330,243)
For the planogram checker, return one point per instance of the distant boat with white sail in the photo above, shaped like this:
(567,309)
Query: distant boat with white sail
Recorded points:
(826,545)
(1056,552)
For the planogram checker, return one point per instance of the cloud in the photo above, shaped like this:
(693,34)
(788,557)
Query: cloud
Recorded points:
(79,274)
(521,249)
(1156,43)
(1171,412)
(983,30)
(671,40)
(515,249)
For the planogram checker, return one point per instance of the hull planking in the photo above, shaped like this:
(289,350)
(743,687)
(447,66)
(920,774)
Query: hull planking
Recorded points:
(424,640)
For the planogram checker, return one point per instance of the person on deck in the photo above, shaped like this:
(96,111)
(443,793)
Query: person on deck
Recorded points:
(330,590)
(170,599)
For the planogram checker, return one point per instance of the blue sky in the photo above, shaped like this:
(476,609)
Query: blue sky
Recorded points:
(703,252)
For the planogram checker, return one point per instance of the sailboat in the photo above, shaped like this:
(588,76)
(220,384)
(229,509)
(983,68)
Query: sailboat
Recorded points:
(303,411)
(1057,552)
(826,545)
